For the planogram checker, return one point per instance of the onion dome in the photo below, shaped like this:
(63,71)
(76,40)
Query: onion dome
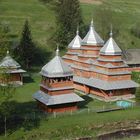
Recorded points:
(56,68)
(76,42)
(111,47)
(9,62)
(92,37)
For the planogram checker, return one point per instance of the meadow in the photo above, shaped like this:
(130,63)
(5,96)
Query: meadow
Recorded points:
(42,19)
(76,124)
(85,122)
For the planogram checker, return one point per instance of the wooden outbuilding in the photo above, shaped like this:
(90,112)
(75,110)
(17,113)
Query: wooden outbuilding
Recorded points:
(12,70)
(56,92)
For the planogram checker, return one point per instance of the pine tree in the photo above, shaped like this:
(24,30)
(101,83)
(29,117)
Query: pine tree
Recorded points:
(68,17)
(4,42)
(26,49)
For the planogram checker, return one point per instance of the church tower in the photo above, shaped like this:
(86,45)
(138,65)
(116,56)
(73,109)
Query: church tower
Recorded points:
(56,92)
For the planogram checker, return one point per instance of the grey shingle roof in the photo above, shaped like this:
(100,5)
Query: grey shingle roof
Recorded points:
(111,48)
(109,60)
(80,68)
(109,65)
(132,56)
(89,61)
(109,73)
(100,71)
(70,58)
(9,62)
(76,42)
(16,71)
(105,85)
(54,89)
(57,99)
(56,68)
(86,48)
(74,53)
(92,37)
(87,55)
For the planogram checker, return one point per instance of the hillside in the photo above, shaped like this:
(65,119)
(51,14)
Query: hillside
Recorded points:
(26,121)
(42,18)
(125,13)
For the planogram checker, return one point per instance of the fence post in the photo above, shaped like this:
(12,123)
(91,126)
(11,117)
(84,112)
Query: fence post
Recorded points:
(5,126)
(88,110)
(71,112)
(54,114)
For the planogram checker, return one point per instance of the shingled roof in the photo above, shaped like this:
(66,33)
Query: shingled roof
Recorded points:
(111,47)
(57,99)
(105,85)
(132,56)
(92,37)
(56,67)
(9,62)
(76,42)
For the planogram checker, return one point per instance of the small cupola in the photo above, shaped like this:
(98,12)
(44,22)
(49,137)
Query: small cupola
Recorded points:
(76,42)
(111,47)
(92,37)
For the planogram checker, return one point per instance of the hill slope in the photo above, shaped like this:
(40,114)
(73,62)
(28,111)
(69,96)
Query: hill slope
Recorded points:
(42,18)
(125,12)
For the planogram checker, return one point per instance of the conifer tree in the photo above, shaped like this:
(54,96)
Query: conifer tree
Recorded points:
(26,49)
(4,42)
(68,17)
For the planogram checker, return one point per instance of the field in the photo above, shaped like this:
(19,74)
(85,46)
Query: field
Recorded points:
(42,19)
(35,125)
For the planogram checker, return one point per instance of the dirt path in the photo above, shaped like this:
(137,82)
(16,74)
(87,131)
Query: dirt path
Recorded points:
(91,1)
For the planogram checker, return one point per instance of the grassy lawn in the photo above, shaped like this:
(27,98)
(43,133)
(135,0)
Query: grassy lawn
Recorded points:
(42,19)
(25,92)
(126,13)
(78,124)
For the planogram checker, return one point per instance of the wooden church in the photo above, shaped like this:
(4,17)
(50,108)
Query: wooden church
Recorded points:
(56,92)
(99,68)
(81,52)
(13,71)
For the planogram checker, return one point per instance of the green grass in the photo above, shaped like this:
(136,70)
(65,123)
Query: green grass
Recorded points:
(25,92)
(79,124)
(76,125)
(42,19)
(125,13)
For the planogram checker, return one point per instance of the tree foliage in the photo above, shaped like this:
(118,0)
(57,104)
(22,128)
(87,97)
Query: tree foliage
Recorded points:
(104,18)
(25,51)
(6,88)
(135,30)
(6,92)
(68,17)
(136,78)
(4,40)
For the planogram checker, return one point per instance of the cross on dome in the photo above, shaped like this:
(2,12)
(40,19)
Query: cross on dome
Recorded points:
(76,42)
(92,37)
(111,47)
(57,51)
